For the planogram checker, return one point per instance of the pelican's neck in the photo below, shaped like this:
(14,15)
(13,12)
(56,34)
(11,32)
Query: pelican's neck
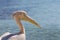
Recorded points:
(22,30)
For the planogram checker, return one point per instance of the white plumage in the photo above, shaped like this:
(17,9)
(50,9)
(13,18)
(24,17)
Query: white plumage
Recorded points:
(15,37)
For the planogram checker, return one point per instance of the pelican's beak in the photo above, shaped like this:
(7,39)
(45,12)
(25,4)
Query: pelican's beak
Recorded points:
(27,18)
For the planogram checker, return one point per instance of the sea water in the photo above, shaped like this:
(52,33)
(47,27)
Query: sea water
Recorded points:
(45,12)
(50,32)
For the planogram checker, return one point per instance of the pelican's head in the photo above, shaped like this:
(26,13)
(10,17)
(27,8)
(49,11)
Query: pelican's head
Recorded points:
(22,15)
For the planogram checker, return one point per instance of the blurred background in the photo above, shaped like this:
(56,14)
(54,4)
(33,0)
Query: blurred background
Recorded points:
(45,12)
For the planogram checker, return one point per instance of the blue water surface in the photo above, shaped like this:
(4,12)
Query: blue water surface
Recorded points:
(48,32)
(45,12)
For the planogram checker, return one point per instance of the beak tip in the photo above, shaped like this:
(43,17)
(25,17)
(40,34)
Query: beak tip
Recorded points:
(39,26)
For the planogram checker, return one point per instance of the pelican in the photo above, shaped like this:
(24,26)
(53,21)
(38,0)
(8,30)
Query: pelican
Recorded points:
(18,16)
